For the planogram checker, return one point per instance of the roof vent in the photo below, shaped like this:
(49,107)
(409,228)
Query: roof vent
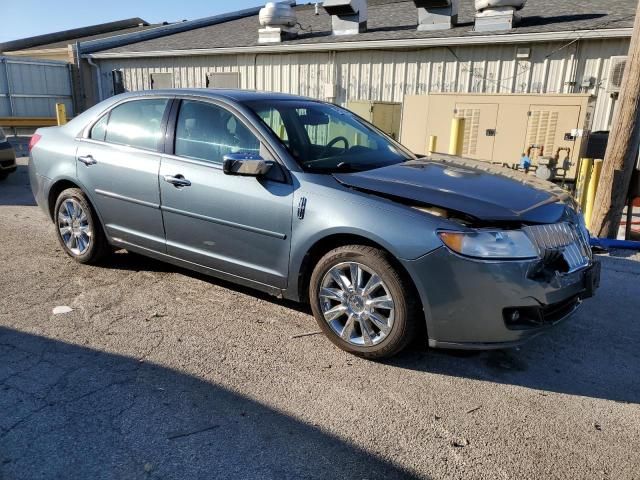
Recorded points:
(278,21)
(436,14)
(497,15)
(348,17)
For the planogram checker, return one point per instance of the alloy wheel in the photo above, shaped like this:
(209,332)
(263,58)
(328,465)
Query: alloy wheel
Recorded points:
(356,304)
(74,227)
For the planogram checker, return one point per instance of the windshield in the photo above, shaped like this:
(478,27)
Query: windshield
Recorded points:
(327,138)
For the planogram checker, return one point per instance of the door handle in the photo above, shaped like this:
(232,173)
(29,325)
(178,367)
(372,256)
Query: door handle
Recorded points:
(177,180)
(87,160)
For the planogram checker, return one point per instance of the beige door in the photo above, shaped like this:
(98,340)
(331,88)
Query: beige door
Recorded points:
(549,131)
(479,129)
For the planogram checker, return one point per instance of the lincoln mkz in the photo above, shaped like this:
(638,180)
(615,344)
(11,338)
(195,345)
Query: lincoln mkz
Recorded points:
(304,200)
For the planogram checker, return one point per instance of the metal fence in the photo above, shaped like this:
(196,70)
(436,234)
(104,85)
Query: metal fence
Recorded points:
(31,88)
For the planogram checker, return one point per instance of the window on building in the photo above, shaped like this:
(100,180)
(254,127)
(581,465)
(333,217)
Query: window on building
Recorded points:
(208,132)
(137,123)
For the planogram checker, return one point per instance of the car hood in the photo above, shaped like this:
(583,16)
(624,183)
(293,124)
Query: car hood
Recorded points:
(479,189)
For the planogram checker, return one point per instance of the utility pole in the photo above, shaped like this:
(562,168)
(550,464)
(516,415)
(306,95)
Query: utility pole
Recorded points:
(622,150)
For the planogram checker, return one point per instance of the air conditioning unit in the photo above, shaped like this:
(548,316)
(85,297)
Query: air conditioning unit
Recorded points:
(616,72)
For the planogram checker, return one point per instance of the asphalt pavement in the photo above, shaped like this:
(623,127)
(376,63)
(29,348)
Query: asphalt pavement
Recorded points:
(156,372)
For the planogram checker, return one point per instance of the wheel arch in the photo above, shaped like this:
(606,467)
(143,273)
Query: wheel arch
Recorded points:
(56,189)
(60,185)
(324,245)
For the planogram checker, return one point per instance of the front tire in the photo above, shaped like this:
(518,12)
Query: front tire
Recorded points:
(78,228)
(362,302)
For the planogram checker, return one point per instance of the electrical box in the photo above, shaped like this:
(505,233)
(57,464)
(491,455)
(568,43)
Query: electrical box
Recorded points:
(384,115)
(499,128)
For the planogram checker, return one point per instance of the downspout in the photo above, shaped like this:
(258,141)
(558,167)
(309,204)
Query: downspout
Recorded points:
(80,98)
(98,75)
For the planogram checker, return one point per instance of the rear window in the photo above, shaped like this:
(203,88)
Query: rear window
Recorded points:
(137,123)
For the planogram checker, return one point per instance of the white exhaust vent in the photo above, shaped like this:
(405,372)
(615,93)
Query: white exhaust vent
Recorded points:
(437,14)
(348,17)
(278,21)
(497,15)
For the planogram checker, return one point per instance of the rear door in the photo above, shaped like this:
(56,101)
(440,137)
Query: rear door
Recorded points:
(118,164)
(233,224)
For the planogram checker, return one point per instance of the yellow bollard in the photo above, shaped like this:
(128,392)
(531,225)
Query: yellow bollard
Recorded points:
(591,193)
(456,139)
(433,142)
(584,176)
(61,113)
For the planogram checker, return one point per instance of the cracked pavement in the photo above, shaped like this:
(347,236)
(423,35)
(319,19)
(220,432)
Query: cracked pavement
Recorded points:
(162,373)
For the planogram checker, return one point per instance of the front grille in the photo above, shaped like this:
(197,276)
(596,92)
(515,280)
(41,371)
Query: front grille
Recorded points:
(565,240)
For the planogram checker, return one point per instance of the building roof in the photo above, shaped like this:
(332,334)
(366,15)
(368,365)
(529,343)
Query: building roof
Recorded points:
(65,43)
(63,38)
(396,20)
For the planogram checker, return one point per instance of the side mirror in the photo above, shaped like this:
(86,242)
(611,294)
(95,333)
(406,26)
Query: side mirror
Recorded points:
(245,164)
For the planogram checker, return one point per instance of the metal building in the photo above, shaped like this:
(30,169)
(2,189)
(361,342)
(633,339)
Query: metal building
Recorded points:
(558,47)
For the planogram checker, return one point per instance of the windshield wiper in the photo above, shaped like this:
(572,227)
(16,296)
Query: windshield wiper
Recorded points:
(343,167)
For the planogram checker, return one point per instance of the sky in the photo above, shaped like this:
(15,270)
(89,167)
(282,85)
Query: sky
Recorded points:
(26,18)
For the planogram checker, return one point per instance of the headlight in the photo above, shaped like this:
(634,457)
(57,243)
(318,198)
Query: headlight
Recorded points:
(490,244)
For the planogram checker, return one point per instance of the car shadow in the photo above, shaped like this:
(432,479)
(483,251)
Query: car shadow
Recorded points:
(15,190)
(67,411)
(592,354)
(130,261)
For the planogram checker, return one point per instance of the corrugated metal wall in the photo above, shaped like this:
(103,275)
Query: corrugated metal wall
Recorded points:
(31,88)
(389,75)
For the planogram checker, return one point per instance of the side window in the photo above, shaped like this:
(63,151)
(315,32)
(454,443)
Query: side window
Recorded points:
(99,128)
(273,119)
(208,132)
(137,123)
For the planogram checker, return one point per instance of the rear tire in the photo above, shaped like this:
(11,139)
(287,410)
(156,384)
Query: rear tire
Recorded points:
(363,303)
(78,228)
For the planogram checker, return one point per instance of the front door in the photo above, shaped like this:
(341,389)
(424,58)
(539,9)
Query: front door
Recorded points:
(233,224)
(118,164)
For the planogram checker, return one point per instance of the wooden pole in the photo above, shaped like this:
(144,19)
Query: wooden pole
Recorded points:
(622,151)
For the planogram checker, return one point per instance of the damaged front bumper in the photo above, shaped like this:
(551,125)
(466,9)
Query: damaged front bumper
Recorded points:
(472,304)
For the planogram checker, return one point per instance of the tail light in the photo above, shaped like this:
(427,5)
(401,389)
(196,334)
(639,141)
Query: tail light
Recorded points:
(35,138)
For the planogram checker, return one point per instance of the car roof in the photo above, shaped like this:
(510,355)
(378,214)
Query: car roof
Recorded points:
(236,95)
